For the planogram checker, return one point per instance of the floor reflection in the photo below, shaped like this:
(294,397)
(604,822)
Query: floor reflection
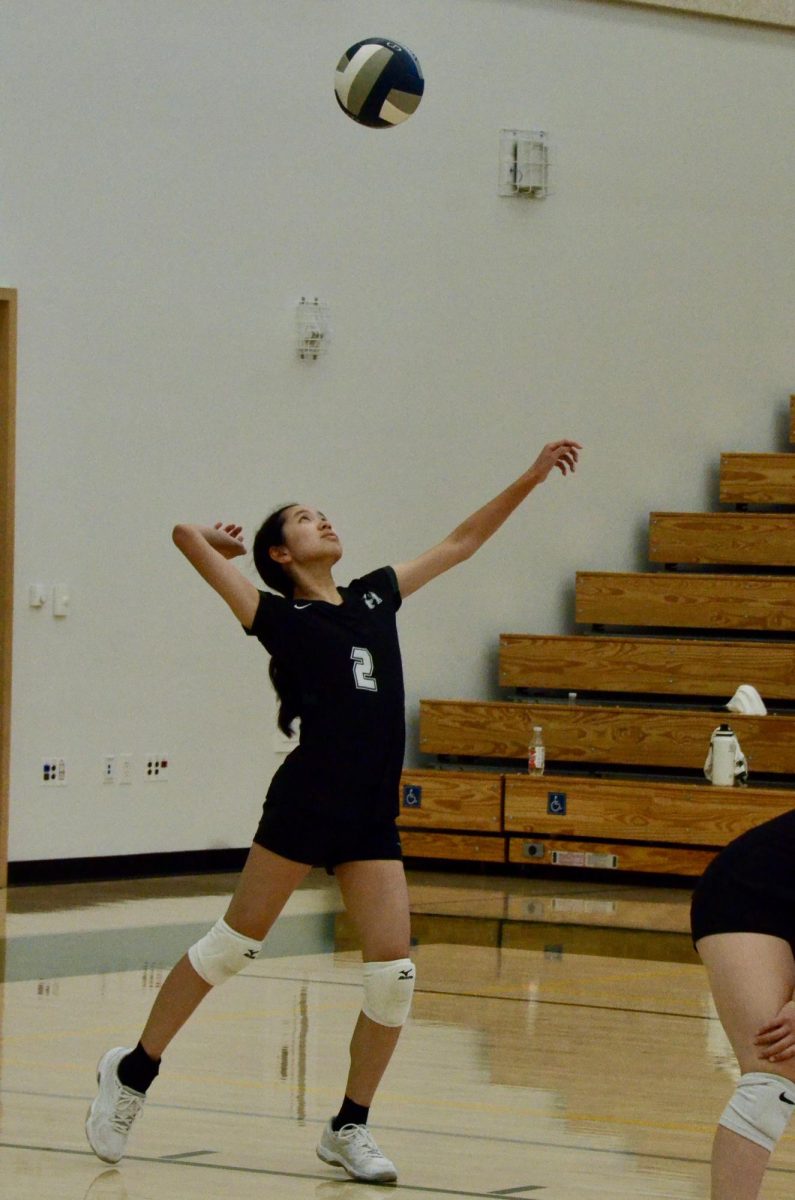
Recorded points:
(562,1043)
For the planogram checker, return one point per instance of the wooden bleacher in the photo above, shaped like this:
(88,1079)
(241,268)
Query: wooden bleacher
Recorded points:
(757,479)
(605,734)
(665,600)
(624,787)
(651,665)
(727,538)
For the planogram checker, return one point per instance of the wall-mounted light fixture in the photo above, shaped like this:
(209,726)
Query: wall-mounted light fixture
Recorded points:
(524,163)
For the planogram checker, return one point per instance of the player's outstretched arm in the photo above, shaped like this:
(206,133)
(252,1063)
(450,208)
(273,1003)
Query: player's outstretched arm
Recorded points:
(209,549)
(470,535)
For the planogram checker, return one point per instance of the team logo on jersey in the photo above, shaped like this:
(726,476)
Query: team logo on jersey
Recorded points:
(371,599)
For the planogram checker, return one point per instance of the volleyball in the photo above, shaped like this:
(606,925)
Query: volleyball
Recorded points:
(378,82)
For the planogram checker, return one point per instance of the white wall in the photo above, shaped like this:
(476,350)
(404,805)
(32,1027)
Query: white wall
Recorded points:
(176,174)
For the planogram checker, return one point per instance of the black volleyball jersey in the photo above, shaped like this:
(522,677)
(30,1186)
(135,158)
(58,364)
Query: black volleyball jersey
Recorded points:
(345,666)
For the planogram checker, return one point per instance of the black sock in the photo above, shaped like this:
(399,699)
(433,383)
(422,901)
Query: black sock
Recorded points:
(137,1070)
(350,1114)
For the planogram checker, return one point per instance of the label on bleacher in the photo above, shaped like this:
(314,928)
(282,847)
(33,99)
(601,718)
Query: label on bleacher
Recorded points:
(602,908)
(584,858)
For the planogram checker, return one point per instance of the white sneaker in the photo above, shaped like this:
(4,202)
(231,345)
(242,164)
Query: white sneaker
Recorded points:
(747,700)
(353,1147)
(112,1113)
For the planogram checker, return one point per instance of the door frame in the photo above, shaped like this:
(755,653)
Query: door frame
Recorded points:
(8,410)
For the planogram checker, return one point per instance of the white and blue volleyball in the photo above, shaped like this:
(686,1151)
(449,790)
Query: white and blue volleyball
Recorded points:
(378,82)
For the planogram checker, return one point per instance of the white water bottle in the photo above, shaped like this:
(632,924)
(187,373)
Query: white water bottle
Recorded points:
(536,753)
(724,756)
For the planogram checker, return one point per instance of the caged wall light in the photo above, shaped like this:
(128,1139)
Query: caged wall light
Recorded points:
(524,163)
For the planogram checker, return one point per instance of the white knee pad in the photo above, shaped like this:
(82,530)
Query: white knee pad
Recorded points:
(388,988)
(221,953)
(760,1108)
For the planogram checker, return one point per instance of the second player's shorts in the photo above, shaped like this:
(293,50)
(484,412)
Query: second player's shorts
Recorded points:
(750,886)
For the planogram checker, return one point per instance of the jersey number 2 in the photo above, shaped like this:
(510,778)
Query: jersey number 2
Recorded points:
(363,669)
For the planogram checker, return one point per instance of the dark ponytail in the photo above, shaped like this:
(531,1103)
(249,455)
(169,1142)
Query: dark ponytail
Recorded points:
(271,533)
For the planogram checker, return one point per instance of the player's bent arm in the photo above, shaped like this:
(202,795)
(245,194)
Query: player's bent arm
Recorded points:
(209,549)
(470,535)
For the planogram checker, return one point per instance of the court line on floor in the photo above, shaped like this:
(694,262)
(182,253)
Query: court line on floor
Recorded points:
(526,1187)
(424,1131)
(529,1114)
(421,991)
(646,1012)
(186,1154)
(166,1161)
(205,1166)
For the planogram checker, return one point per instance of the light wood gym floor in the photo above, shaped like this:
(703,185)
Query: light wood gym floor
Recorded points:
(562,1045)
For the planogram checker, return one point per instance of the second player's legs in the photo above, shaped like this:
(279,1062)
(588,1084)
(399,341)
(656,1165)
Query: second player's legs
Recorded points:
(751,976)
(376,897)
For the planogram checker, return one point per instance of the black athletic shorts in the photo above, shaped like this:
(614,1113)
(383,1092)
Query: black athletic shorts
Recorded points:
(324,843)
(750,886)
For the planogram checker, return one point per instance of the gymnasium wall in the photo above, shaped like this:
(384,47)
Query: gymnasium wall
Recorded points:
(176,175)
(764,12)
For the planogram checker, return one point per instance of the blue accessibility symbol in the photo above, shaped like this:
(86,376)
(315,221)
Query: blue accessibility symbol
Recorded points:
(412,797)
(556,804)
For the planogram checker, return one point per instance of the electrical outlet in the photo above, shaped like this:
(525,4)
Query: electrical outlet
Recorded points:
(125,772)
(53,771)
(109,769)
(156,766)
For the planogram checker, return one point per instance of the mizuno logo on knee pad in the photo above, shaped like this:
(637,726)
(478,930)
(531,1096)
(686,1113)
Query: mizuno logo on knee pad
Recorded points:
(221,953)
(388,989)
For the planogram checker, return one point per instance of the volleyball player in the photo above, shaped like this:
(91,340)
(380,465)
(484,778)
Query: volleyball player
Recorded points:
(743,922)
(335,663)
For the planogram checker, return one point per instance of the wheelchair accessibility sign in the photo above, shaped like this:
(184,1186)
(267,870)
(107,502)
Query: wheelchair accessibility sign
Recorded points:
(556,804)
(412,797)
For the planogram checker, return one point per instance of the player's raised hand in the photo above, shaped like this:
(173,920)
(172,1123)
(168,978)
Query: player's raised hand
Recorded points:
(563,454)
(228,539)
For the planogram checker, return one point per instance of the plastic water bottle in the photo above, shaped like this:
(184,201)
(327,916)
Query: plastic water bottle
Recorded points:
(724,749)
(536,753)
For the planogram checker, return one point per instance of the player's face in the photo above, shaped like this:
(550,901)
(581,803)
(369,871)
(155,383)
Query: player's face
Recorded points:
(309,535)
